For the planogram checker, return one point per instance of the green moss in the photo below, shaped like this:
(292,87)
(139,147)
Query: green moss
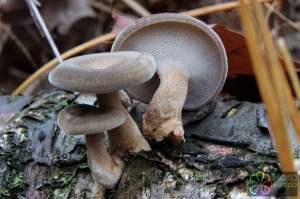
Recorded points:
(231,112)
(4,192)
(65,104)
(198,176)
(180,197)
(19,181)
(37,174)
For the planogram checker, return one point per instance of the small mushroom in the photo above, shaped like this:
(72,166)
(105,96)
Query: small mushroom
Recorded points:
(191,65)
(81,119)
(105,74)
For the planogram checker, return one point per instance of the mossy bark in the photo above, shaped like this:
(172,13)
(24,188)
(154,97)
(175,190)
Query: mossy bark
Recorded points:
(220,153)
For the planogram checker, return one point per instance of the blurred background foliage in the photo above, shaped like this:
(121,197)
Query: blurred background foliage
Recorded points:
(71,22)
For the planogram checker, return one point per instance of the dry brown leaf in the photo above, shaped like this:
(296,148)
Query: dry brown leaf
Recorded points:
(239,62)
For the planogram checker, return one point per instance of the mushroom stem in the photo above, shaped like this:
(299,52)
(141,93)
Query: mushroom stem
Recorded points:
(105,170)
(126,137)
(163,117)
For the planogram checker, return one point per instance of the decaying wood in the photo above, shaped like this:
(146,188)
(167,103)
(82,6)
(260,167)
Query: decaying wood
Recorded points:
(220,152)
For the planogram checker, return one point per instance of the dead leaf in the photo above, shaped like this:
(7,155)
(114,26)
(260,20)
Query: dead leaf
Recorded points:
(239,62)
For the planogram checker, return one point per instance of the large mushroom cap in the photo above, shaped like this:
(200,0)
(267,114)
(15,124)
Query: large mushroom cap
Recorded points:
(182,39)
(103,72)
(82,119)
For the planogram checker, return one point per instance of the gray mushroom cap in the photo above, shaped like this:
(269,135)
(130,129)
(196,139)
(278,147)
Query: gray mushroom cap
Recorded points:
(182,39)
(103,72)
(82,119)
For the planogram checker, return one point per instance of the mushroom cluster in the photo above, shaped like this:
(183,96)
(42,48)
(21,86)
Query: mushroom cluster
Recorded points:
(191,67)
(104,75)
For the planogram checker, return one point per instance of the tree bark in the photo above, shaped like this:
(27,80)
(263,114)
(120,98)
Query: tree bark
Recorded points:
(220,153)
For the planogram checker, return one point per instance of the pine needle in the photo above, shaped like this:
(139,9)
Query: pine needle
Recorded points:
(42,27)
(267,78)
(138,8)
(215,8)
(290,67)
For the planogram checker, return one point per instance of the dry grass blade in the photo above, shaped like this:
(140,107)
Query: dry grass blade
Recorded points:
(282,17)
(19,43)
(100,6)
(279,79)
(103,7)
(290,67)
(268,88)
(138,8)
(215,8)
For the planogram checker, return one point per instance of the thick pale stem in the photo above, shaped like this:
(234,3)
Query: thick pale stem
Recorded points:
(126,137)
(163,117)
(105,170)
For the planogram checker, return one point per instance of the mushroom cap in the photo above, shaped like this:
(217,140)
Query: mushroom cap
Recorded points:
(178,38)
(82,119)
(103,72)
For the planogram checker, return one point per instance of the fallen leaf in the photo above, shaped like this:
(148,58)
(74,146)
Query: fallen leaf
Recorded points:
(239,62)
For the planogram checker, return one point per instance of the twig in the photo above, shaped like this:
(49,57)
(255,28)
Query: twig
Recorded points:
(269,11)
(283,18)
(102,7)
(20,44)
(70,53)
(138,8)
(215,8)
